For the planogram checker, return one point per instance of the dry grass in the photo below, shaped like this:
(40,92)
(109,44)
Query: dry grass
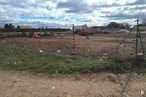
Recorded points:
(97,45)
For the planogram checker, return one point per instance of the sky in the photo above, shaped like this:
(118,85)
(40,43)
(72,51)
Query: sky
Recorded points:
(64,13)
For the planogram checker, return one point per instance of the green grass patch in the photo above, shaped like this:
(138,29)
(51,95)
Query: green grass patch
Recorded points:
(14,58)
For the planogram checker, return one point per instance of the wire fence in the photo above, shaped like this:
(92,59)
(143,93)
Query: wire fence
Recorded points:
(101,45)
(120,46)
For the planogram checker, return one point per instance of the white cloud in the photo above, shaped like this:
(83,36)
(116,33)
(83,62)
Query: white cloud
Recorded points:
(92,12)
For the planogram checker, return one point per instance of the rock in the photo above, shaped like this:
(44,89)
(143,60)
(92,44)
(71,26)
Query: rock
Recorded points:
(142,92)
(53,88)
(41,51)
(122,45)
(58,51)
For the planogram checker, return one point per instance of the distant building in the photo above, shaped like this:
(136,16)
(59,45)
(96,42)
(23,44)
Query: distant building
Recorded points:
(98,28)
(25,27)
(76,28)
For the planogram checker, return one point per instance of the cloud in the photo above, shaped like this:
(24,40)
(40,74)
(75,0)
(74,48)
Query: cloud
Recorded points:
(136,12)
(138,2)
(122,16)
(75,6)
(62,12)
(120,3)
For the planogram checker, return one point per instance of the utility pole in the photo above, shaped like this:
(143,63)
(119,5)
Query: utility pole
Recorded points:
(74,50)
(139,47)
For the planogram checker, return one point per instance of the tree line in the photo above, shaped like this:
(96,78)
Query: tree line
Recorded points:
(112,25)
(10,26)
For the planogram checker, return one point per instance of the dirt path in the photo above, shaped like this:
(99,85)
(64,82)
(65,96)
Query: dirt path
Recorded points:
(16,84)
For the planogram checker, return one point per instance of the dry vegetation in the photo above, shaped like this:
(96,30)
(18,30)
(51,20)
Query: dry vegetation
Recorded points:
(97,45)
(16,54)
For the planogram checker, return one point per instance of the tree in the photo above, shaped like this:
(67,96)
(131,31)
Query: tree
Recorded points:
(114,25)
(6,26)
(9,26)
(18,27)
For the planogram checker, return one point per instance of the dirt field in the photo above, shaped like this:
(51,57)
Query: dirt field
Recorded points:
(22,84)
(98,45)
(16,84)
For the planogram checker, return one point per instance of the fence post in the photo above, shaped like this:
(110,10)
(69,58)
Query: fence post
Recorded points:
(74,50)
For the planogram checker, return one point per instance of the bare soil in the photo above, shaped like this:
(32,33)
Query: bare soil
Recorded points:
(98,45)
(22,84)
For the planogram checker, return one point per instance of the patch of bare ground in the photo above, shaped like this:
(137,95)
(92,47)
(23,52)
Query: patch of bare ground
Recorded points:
(97,45)
(22,84)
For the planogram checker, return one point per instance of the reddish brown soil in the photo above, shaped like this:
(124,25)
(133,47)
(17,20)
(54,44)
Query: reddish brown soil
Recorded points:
(96,45)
